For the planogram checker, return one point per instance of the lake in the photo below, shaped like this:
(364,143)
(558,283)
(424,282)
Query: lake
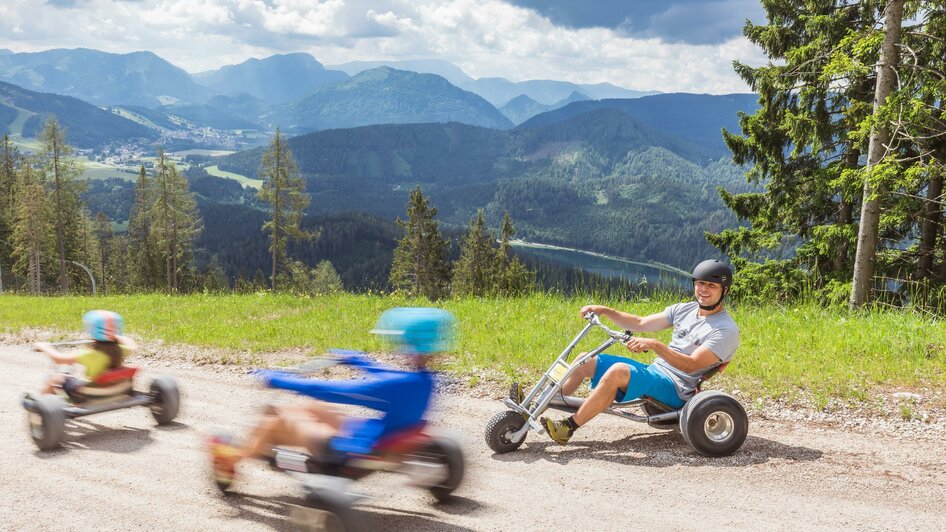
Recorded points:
(636,272)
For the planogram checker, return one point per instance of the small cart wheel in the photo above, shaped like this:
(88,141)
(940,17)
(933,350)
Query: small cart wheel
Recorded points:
(499,432)
(714,424)
(327,510)
(446,452)
(48,422)
(167,400)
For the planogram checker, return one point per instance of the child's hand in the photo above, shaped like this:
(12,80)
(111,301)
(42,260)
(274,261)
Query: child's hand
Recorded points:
(42,347)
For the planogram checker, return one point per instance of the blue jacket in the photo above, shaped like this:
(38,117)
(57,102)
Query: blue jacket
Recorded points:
(401,396)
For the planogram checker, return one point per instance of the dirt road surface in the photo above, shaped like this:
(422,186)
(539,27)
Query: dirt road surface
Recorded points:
(119,470)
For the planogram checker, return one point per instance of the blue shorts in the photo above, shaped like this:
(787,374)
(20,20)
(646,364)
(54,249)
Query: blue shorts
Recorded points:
(645,380)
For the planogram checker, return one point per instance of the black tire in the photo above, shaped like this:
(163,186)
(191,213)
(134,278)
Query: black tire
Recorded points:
(48,423)
(498,429)
(652,410)
(714,424)
(167,400)
(447,452)
(328,510)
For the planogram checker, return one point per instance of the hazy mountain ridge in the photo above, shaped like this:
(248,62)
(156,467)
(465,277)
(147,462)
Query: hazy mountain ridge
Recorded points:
(276,79)
(137,78)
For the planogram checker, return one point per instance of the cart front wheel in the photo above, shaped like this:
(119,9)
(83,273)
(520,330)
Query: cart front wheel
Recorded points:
(326,510)
(500,429)
(714,424)
(48,422)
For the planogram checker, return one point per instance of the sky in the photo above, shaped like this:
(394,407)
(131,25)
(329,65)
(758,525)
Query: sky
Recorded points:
(662,45)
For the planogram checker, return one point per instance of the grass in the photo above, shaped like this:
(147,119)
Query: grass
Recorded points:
(803,352)
(242,179)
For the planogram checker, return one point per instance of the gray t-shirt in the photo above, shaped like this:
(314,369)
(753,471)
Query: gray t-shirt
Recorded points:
(717,332)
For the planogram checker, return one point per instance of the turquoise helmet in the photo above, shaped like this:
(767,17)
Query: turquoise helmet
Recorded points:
(417,331)
(103,325)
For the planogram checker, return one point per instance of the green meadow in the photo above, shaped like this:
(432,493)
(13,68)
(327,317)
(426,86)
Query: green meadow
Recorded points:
(802,352)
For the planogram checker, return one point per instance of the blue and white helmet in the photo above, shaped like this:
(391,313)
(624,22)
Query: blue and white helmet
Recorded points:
(103,325)
(417,331)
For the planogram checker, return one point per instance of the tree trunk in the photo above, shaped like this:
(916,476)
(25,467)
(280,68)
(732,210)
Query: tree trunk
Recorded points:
(930,225)
(867,234)
(60,233)
(845,213)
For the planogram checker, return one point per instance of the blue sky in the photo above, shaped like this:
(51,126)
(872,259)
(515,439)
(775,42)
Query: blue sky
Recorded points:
(665,45)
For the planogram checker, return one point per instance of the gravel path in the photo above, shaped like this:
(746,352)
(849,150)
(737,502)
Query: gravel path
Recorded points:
(121,471)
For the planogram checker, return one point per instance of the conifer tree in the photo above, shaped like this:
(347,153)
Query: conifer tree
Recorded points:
(31,228)
(515,278)
(61,172)
(175,221)
(146,267)
(420,264)
(8,195)
(284,190)
(102,228)
(477,271)
(879,148)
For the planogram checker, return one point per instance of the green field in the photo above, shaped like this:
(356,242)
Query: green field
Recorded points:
(97,170)
(801,353)
(242,179)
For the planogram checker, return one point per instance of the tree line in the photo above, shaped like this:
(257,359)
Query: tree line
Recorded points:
(848,148)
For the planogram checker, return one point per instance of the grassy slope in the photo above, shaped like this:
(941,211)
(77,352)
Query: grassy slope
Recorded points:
(791,353)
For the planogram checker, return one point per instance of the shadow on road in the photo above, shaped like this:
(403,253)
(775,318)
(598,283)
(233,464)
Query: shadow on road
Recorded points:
(274,512)
(660,449)
(84,434)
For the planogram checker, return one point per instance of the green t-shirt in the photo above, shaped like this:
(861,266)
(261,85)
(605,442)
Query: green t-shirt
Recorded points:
(96,362)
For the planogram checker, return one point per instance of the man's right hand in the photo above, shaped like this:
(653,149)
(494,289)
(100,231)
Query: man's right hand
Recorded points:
(597,309)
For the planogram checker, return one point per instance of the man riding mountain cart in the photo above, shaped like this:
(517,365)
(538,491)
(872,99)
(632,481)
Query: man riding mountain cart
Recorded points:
(704,339)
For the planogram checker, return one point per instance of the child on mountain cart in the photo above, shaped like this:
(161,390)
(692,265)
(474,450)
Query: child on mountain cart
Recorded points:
(704,337)
(401,396)
(107,351)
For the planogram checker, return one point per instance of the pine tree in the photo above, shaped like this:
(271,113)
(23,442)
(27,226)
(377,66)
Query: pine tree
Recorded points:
(175,221)
(31,228)
(477,271)
(61,171)
(8,195)
(878,149)
(102,228)
(146,264)
(420,264)
(284,190)
(515,278)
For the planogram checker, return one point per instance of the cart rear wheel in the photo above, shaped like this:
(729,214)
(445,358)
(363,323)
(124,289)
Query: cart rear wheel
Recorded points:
(48,422)
(167,399)
(714,424)
(445,452)
(500,429)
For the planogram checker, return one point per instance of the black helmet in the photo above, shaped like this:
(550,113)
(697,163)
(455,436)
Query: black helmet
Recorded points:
(714,271)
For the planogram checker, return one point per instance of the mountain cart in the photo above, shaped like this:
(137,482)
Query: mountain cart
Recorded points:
(112,390)
(713,423)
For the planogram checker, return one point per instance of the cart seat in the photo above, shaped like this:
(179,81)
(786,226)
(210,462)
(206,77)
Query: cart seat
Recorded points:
(403,441)
(706,376)
(114,381)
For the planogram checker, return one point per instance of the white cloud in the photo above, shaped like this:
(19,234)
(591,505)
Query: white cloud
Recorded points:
(487,38)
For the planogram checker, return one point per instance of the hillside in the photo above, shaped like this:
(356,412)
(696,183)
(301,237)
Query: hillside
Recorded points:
(387,96)
(642,188)
(138,78)
(87,126)
(698,118)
